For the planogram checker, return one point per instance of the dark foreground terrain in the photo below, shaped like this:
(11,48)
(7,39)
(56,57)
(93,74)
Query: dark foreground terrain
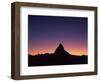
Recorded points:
(59,57)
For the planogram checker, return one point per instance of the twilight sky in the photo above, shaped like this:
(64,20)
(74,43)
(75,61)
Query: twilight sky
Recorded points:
(45,33)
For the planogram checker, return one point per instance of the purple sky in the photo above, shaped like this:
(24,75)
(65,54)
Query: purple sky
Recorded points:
(46,32)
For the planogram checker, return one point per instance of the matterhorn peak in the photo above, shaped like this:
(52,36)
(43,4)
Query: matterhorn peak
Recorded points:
(60,47)
(60,50)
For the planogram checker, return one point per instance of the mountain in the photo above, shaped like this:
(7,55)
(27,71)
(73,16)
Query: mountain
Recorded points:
(60,50)
(59,57)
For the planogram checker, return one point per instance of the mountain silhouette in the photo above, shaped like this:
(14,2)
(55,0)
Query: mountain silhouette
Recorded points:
(60,50)
(59,57)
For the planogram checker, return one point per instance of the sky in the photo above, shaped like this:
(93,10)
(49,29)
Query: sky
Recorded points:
(45,33)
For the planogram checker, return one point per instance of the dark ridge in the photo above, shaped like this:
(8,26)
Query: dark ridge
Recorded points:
(59,57)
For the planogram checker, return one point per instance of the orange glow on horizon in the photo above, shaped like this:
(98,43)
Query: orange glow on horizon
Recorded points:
(78,52)
(73,51)
(40,51)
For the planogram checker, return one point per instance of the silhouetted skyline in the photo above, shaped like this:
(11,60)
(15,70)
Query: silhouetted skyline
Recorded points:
(59,57)
(46,32)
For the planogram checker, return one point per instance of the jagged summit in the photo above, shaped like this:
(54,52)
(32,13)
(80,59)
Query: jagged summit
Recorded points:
(60,50)
(61,46)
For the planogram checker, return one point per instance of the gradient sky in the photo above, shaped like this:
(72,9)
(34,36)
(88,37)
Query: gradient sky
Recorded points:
(45,33)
